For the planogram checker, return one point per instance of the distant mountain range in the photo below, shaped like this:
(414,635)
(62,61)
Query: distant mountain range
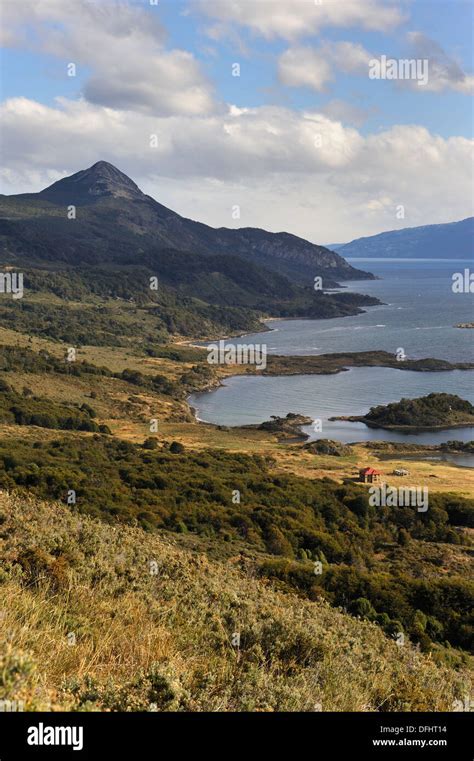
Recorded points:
(117,223)
(453,240)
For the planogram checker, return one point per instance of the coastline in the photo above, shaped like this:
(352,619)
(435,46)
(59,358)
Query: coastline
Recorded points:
(401,428)
(263,320)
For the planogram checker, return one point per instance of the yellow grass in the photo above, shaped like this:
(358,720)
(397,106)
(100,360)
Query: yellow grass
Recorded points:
(86,625)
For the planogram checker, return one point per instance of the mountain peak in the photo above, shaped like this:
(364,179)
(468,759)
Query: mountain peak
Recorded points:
(88,186)
(131,221)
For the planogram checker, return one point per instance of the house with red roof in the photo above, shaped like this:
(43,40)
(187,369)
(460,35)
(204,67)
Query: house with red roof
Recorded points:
(369,475)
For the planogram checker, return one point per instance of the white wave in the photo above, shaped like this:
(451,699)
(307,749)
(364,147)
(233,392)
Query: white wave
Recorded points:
(366,327)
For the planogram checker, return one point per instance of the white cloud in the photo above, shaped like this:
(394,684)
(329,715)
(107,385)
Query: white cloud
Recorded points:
(304,173)
(349,113)
(162,83)
(300,18)
(304,67)
(312,67)
(349,57)
(55,20)
(240,143)
(121,44)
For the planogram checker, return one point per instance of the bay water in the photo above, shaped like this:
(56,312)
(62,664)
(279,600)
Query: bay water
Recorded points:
(419,316)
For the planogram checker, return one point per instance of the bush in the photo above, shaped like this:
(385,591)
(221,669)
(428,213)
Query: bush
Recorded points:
(150,443)
(277,543)
(363,608)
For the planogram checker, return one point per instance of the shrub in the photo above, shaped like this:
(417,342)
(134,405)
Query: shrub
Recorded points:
(150,443)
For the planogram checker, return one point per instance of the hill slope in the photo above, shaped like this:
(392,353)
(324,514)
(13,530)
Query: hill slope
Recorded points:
(448,241)
(136,622)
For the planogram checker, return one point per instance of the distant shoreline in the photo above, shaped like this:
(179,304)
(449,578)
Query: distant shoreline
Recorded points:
(401,428)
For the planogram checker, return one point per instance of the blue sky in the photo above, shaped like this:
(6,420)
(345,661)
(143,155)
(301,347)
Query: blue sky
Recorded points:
(36,75)
(172,62)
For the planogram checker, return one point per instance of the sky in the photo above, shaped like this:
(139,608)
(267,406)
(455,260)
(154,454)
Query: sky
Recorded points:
(248,113)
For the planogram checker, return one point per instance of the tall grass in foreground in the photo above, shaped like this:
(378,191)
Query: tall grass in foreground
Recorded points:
(95,617)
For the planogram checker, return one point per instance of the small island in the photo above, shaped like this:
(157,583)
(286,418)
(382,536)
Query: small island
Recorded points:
(425,413)
(285,428)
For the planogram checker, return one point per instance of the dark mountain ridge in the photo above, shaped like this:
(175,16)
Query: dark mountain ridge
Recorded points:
(211,282)
(112,208)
